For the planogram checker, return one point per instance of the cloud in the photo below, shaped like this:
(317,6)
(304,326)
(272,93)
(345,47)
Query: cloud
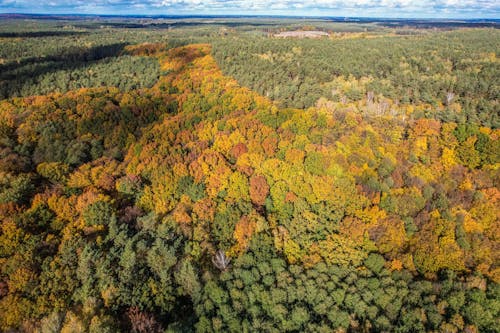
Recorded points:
(404,8)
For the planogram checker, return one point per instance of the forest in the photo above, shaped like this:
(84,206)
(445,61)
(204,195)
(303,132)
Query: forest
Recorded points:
(181,175)
(431,72)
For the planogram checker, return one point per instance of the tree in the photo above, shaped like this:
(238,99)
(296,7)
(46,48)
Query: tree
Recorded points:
(259,189)
(220,260)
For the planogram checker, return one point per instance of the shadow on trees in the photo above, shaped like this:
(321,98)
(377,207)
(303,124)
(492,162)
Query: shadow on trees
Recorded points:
(33,34)
(14,74)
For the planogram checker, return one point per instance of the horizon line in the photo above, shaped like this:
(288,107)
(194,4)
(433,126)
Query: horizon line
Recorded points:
(198,15)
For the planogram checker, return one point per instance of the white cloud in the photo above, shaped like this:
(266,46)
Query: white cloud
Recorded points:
(479,8)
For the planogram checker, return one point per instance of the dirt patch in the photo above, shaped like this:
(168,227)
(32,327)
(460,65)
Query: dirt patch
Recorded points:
(301,34)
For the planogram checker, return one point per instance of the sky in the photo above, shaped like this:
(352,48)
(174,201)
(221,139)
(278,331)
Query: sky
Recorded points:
(350,8)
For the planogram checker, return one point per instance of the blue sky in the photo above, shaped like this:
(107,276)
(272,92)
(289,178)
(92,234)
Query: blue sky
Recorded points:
(371,8)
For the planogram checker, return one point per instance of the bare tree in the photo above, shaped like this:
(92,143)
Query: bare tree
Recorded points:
(220,260)
(142,322)
(449,97)
(382,107)
(370,97)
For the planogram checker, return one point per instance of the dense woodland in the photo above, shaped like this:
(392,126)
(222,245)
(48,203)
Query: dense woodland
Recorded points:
(436,72)
(71,58)
(175,199)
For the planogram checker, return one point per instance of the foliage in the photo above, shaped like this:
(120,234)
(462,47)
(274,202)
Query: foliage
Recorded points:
(448,75)
(199,205)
